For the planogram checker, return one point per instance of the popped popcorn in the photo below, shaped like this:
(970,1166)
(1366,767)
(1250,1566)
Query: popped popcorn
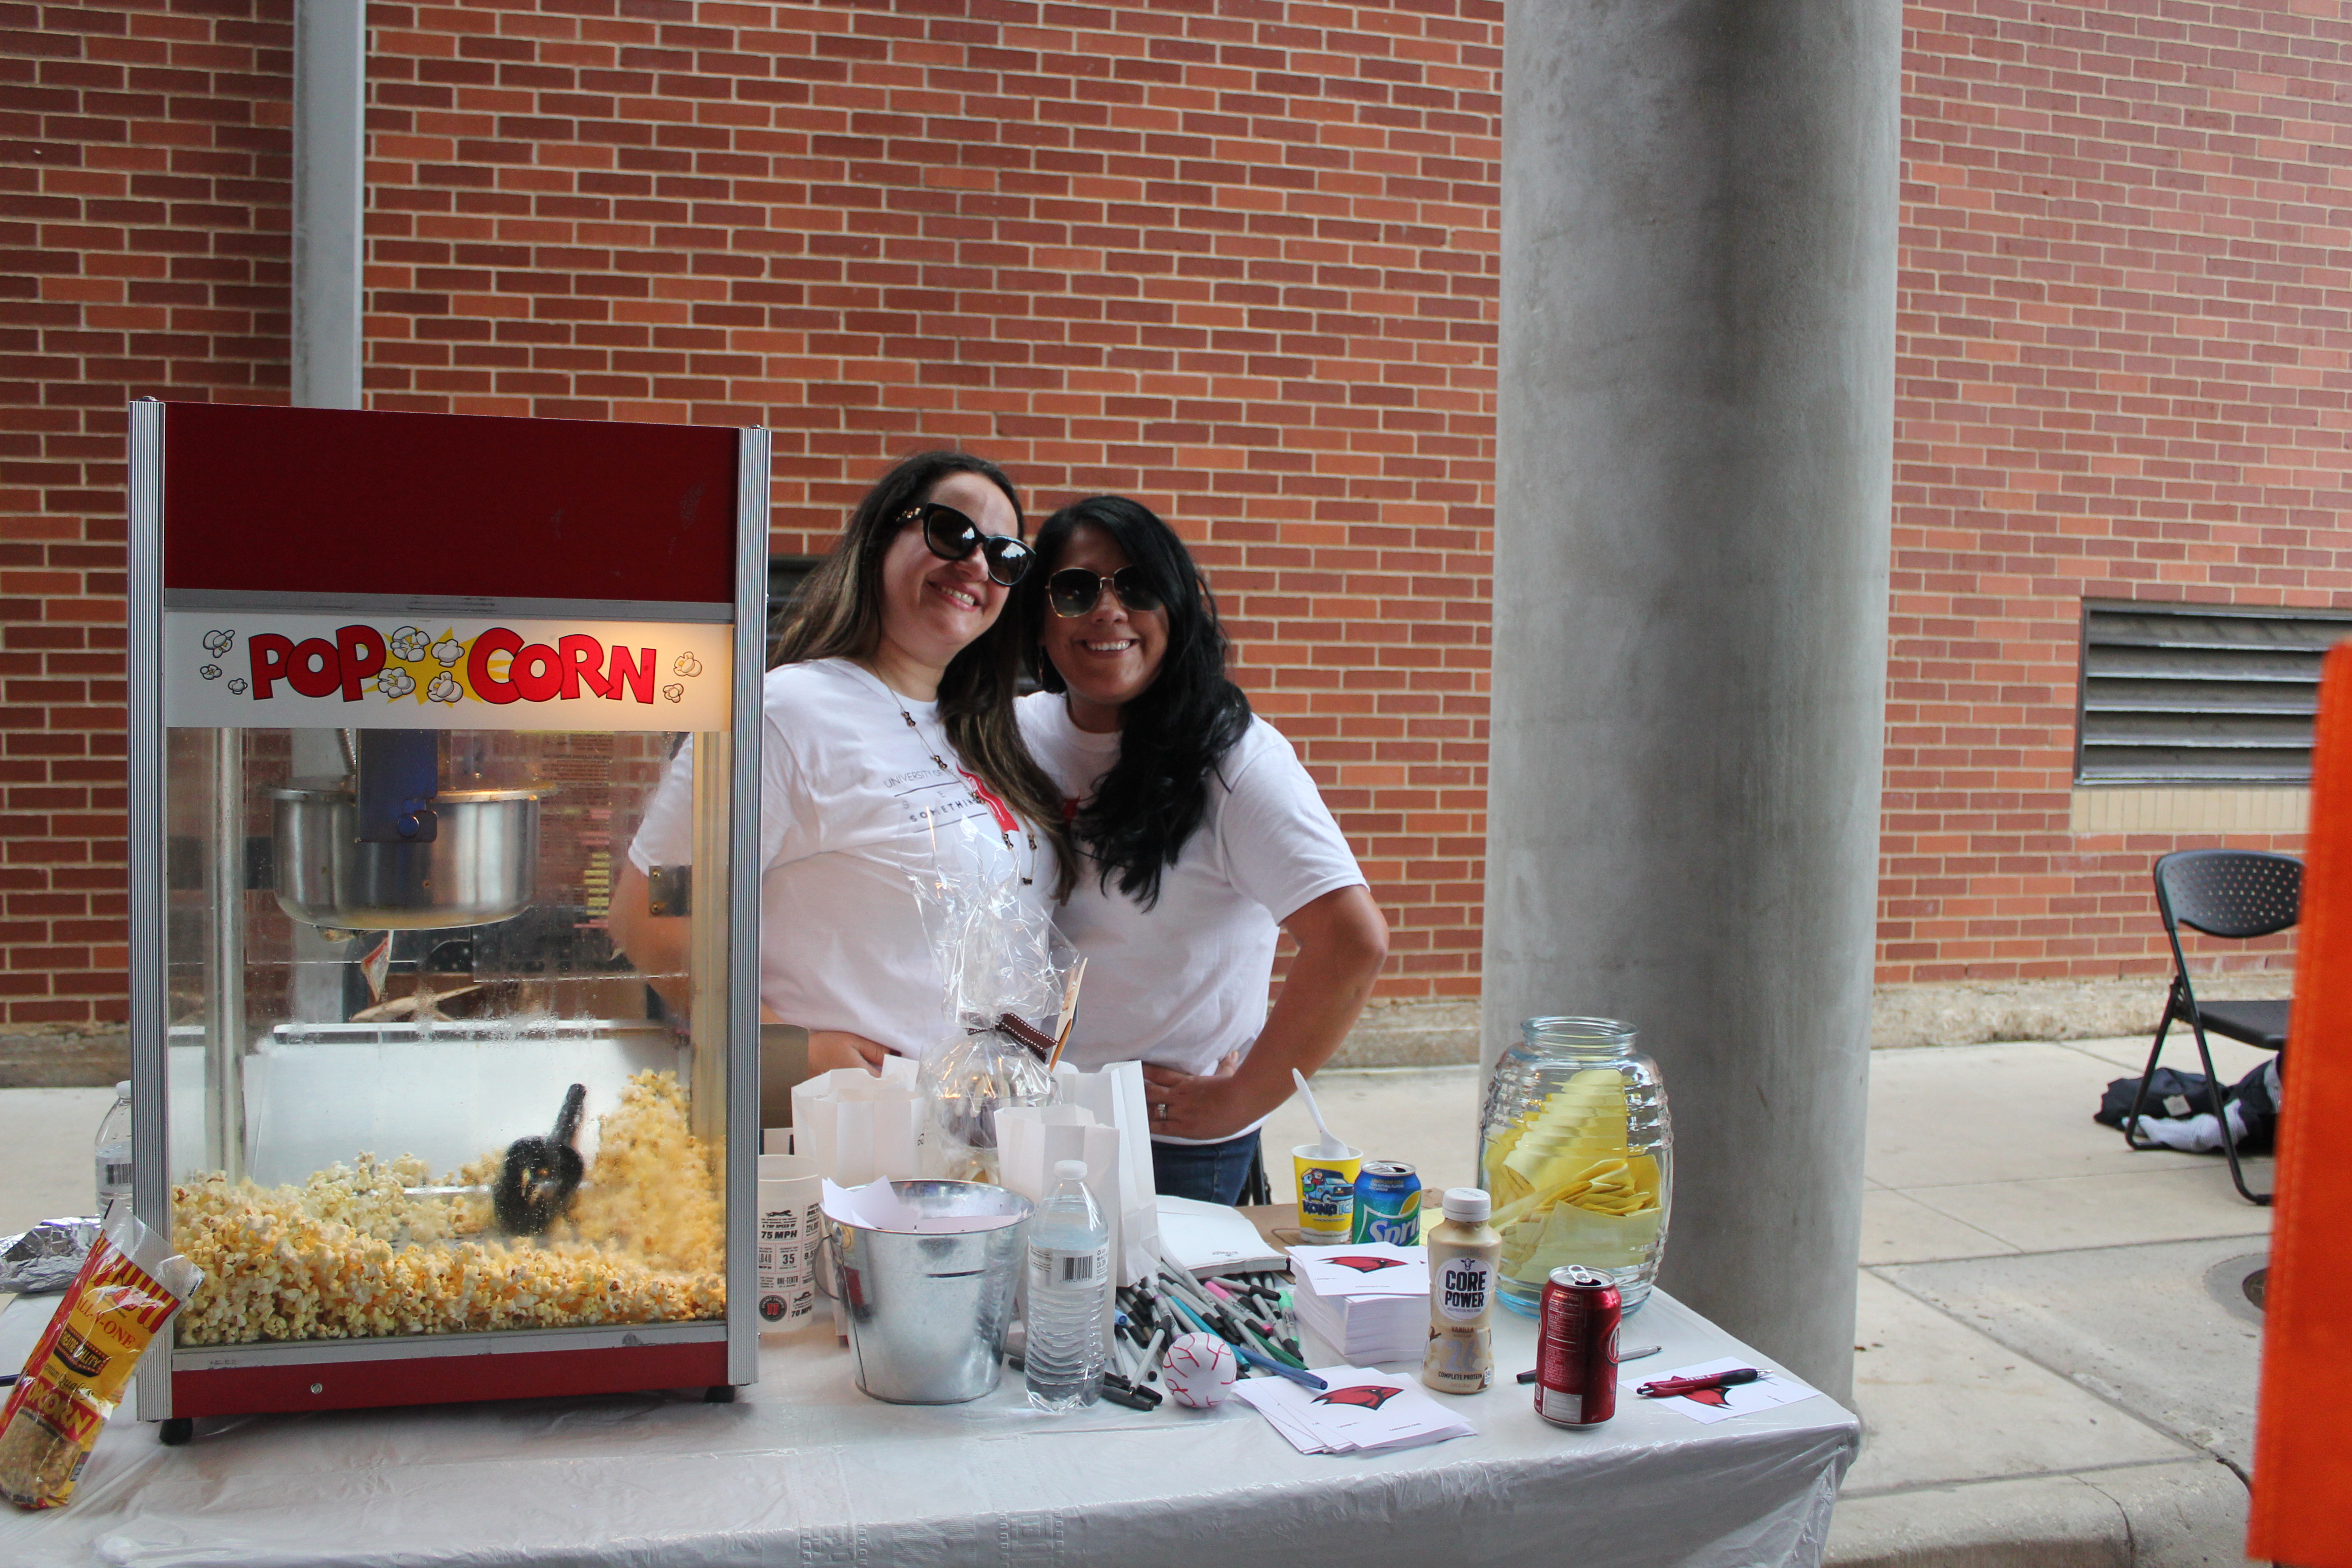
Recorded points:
(349,1253)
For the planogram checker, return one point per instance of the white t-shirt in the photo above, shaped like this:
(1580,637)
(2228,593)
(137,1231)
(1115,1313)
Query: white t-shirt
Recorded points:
(852,809)
(1183,983)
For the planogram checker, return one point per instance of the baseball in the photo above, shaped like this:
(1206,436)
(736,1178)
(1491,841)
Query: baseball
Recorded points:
(1199,1370)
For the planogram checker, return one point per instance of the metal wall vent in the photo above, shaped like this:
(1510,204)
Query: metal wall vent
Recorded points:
(2198,694)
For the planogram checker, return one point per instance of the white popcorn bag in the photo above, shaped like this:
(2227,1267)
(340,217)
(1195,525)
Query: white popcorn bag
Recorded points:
(1115,1095)
(855,1127)
(852,1128)
(1033,1139)
(1099,1117)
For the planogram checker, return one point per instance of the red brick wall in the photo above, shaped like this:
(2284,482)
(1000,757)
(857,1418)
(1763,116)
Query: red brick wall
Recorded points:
(1238,258)
(2125,317)
(143,161)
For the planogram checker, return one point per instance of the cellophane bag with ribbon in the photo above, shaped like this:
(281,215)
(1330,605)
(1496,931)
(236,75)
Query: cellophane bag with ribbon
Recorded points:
(1007,971)
(128,1288)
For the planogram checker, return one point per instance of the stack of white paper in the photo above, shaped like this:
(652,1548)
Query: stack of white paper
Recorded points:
(1368,1301)
(1362,1412)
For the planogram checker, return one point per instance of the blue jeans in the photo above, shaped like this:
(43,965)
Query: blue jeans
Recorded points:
(1212,1173)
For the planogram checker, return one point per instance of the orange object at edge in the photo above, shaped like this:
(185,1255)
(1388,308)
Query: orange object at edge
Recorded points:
(2303,1431)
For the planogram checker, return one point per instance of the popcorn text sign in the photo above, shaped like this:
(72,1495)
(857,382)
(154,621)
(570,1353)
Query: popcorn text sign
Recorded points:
(352,671)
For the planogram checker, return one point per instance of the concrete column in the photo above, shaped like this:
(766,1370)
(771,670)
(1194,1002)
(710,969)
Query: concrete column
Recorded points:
(330,252)
(329,194)
(1690,600)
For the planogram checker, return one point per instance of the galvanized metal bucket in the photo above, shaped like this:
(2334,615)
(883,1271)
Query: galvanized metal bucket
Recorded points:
(928,1312)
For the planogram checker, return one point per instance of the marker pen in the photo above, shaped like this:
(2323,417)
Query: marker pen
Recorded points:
(1297,1375)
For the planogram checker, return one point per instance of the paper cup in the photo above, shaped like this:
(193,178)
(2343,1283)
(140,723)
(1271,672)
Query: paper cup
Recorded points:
(1327,1193)
(790,1192)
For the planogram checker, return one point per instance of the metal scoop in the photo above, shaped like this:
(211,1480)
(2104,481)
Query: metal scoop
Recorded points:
(540,1174)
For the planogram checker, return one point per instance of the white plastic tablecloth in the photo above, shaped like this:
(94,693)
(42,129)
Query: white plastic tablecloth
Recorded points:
(805,1469)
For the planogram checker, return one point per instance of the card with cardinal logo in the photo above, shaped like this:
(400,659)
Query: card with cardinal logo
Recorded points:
(1363,1269)
(1712,1404)
(1361,1411)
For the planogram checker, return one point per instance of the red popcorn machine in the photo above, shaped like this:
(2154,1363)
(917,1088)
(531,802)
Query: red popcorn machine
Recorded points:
(401,686)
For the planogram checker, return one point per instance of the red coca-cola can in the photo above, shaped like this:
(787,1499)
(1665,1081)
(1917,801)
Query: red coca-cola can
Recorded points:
(1576,1347)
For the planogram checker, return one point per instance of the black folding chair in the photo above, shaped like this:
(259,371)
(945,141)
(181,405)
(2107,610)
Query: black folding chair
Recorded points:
(2238,894)
(1256,1188)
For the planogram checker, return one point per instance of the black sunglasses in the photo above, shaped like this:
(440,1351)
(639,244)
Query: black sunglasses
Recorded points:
(1073,590)
(951,536)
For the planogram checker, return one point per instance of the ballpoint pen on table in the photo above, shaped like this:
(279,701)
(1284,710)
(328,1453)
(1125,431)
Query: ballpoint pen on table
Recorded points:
(1259,1358)
(1668,1387)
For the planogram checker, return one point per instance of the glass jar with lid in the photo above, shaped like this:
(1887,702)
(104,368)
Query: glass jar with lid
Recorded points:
(1576,1148)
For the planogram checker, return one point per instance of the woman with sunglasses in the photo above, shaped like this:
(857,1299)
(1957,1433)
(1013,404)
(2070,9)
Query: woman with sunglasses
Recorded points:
(890,750)
(1199,835)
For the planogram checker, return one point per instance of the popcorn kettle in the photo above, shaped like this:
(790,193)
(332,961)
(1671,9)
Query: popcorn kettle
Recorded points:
(390,848)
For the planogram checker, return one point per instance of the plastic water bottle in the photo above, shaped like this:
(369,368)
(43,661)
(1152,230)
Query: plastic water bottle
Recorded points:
(1069,1277)
(114,1150)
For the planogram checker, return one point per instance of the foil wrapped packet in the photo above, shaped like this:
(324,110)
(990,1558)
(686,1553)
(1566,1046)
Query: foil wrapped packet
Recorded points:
(44,1260)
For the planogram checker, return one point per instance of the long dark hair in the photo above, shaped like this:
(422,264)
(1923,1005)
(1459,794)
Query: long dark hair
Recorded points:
(838,615)
(1176,731)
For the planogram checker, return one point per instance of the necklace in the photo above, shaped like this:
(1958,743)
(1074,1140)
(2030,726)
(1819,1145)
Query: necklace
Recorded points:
(996,810)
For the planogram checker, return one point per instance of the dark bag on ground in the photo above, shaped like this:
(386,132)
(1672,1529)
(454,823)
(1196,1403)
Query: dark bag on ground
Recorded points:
(2179,1112)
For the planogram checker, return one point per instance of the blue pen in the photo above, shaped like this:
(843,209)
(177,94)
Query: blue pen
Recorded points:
(1203,1324)
(1200,1324)
(1304,1379)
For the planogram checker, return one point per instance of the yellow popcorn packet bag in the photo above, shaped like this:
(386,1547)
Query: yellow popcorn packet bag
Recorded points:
(128,1288)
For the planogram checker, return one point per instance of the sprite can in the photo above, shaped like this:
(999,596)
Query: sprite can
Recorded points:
(1388,1203)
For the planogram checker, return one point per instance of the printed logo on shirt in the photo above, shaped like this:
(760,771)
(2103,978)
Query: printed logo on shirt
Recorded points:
(934,798)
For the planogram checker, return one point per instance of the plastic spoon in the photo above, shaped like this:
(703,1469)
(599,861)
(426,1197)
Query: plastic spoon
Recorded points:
(1331,1148)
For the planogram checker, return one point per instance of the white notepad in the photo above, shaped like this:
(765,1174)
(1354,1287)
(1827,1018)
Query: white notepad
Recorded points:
(1211,1239)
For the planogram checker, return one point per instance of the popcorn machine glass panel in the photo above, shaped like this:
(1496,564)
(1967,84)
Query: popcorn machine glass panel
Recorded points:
(366,1039)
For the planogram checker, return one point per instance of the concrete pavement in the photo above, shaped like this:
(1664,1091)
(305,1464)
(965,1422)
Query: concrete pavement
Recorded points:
(48,1141)
(2059,1361)
(2056,1363)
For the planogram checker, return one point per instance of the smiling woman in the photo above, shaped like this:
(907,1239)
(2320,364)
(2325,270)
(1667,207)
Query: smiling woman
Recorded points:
(890,748)
(1200,834)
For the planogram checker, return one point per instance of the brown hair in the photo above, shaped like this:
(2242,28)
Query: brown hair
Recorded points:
(838,615)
